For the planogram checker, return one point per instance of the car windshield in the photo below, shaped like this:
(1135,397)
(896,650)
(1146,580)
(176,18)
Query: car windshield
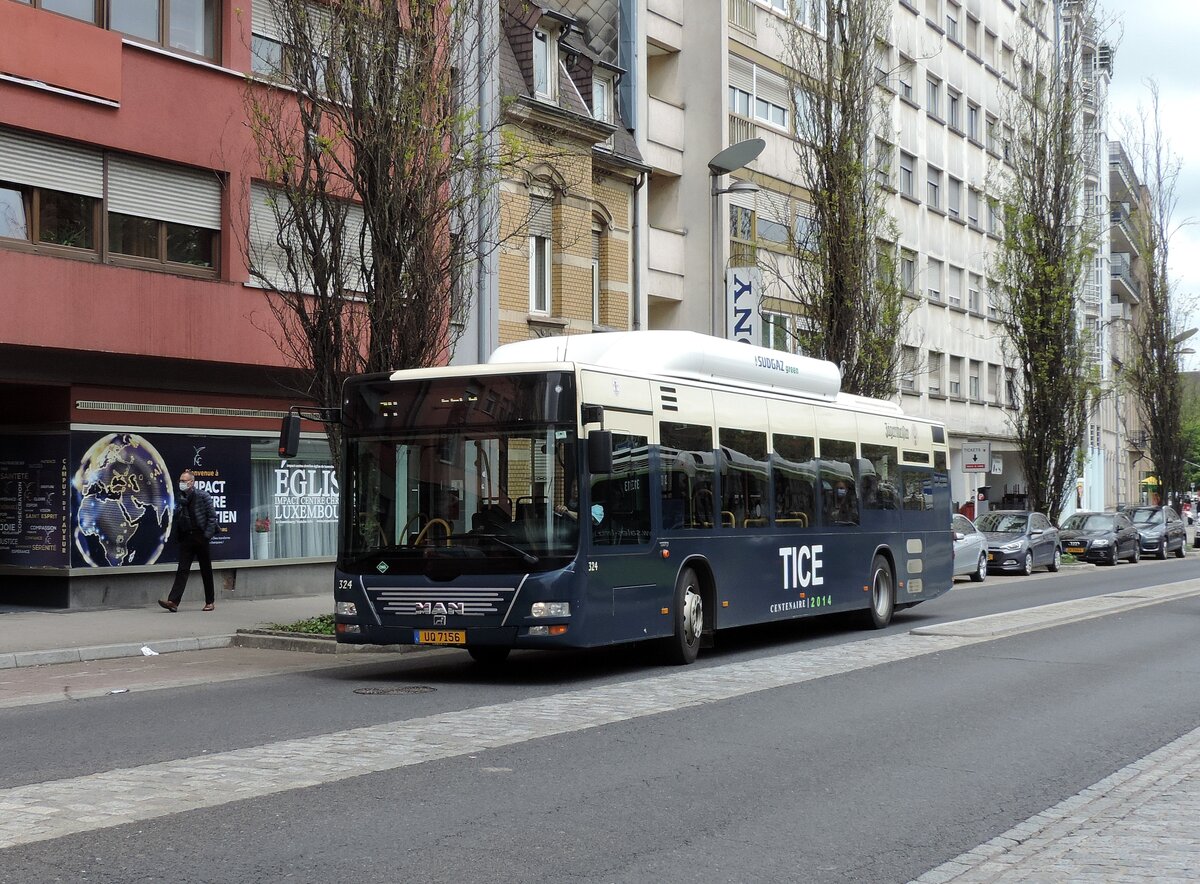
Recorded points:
(1002,523)
(1089,522)
(1147,515)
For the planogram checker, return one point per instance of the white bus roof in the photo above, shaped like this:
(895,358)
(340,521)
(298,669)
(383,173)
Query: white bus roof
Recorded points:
(685,355)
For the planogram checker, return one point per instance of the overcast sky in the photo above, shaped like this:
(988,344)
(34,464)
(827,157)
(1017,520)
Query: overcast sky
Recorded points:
(1160,39)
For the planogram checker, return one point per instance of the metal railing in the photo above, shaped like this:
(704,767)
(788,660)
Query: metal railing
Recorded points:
(741,14)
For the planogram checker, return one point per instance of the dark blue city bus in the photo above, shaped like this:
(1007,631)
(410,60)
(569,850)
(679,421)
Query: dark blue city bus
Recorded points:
(589,490)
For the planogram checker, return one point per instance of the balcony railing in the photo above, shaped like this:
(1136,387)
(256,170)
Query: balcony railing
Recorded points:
(741,14)
(741,129)
(1121,270)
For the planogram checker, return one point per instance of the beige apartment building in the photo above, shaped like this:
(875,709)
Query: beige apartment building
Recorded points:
(713,77)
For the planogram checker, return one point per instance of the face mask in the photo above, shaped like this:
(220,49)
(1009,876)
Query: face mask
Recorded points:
(841,492)
(184,486)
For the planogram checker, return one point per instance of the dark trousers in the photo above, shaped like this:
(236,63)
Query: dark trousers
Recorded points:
(193,547)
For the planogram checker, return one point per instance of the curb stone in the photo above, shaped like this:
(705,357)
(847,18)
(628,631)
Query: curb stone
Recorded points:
(279,640)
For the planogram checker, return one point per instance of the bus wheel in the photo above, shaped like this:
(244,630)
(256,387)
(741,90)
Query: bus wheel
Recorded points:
(689,620)
(883,593)
(488,655)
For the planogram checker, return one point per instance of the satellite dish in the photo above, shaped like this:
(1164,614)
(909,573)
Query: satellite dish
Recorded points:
(736,156)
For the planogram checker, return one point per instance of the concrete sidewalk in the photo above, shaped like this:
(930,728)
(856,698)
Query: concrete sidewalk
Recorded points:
(33,638)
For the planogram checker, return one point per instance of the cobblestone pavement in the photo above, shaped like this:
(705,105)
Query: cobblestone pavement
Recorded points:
(1140,824)
(1163,786)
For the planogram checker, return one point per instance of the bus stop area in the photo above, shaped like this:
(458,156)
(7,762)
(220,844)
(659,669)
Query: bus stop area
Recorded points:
(32,637)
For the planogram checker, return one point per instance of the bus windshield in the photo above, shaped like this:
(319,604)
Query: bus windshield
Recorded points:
(442,497)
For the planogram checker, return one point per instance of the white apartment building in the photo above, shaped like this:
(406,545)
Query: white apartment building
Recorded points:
(713,76)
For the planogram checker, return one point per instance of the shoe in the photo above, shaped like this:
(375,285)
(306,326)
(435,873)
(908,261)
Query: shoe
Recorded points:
(207,608)
(169,605)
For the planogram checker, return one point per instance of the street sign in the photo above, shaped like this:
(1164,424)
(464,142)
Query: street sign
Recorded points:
(997,465)
(976,457)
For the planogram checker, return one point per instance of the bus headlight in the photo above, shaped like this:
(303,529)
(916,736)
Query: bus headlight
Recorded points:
(550,609)
(346,609)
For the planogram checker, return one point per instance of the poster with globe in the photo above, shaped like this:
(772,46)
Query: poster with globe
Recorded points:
(124,494)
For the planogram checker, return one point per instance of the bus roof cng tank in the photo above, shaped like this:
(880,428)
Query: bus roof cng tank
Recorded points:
(682,354)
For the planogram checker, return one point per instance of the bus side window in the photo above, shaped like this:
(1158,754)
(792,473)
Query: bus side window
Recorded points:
(743,478)
(914,490)
(794,472)
(839,492)
(686,459)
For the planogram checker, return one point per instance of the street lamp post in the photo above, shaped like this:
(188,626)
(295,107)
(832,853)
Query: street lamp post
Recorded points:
(729,160)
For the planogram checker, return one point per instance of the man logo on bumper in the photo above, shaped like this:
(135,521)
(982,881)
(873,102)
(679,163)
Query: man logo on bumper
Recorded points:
(442,608)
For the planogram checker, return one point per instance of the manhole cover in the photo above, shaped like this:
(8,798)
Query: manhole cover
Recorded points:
(406,689)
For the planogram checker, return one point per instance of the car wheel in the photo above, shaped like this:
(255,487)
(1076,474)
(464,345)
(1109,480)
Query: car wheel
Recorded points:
(1056,561)
(1162,549)
(883,594)
(1027,569)
(1137,554)
(980,569)
(684,645)
(1179,553)
(1112,557)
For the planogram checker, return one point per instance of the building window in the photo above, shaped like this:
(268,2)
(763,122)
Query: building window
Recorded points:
(883,163)
(933,187)
(742,224)
(933,94)
(954,109)
(974,295)
(544,65)
(935,372)
(993,390)
(952,14)
(973,207)
(971,38)
(602,99)
(777,331)
(955,387)
(953,196)
(905,79)
(973,390)
(954,279)
(933,282)
(973,121)
(908,369)
(1011,394)
(597,246)
(186,25)
(993,136)
(541,253)
(907,184)
(908,271)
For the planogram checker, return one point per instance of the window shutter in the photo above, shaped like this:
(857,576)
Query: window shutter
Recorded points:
(165,193)
(743,199)
(541,216)
(55,165)
(774,207)
(262,20)
(772,88)
(265,253)
(741,74)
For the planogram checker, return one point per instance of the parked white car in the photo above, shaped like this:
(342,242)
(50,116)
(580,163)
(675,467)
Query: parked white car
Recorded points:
(970,548)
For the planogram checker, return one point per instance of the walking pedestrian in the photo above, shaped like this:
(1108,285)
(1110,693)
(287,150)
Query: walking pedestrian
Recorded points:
(195,523)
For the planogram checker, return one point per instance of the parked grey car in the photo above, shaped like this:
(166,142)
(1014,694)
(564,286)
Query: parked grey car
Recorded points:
(970,548)
(1020,540)
(1103,538)
(1161,528)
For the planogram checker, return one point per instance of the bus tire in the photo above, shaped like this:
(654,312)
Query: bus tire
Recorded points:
(684,645)
(488,655)
(883,593)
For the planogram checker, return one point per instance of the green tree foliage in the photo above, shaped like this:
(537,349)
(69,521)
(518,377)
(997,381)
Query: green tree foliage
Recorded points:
(1045,250)
(842,272)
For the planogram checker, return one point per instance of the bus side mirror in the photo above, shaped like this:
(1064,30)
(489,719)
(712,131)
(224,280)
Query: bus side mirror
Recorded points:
(600,451)
(289,435)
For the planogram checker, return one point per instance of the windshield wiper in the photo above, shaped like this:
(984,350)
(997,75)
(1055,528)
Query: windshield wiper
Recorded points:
(528,557)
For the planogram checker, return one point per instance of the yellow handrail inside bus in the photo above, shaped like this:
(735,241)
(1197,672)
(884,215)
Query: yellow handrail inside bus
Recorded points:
(445,527)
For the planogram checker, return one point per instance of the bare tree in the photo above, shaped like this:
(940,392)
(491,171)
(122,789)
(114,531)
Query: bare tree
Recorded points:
(844,259)
(375,170)
(1153,375)
(1047,244)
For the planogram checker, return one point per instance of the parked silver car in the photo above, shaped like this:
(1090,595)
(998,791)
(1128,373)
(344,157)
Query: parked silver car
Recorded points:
(1020,540)
(1161,528)
(970,548)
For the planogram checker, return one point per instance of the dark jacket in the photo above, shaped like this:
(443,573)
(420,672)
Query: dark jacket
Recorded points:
(199,517)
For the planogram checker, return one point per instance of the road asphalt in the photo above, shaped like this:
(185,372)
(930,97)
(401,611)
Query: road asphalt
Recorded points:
(38,637)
